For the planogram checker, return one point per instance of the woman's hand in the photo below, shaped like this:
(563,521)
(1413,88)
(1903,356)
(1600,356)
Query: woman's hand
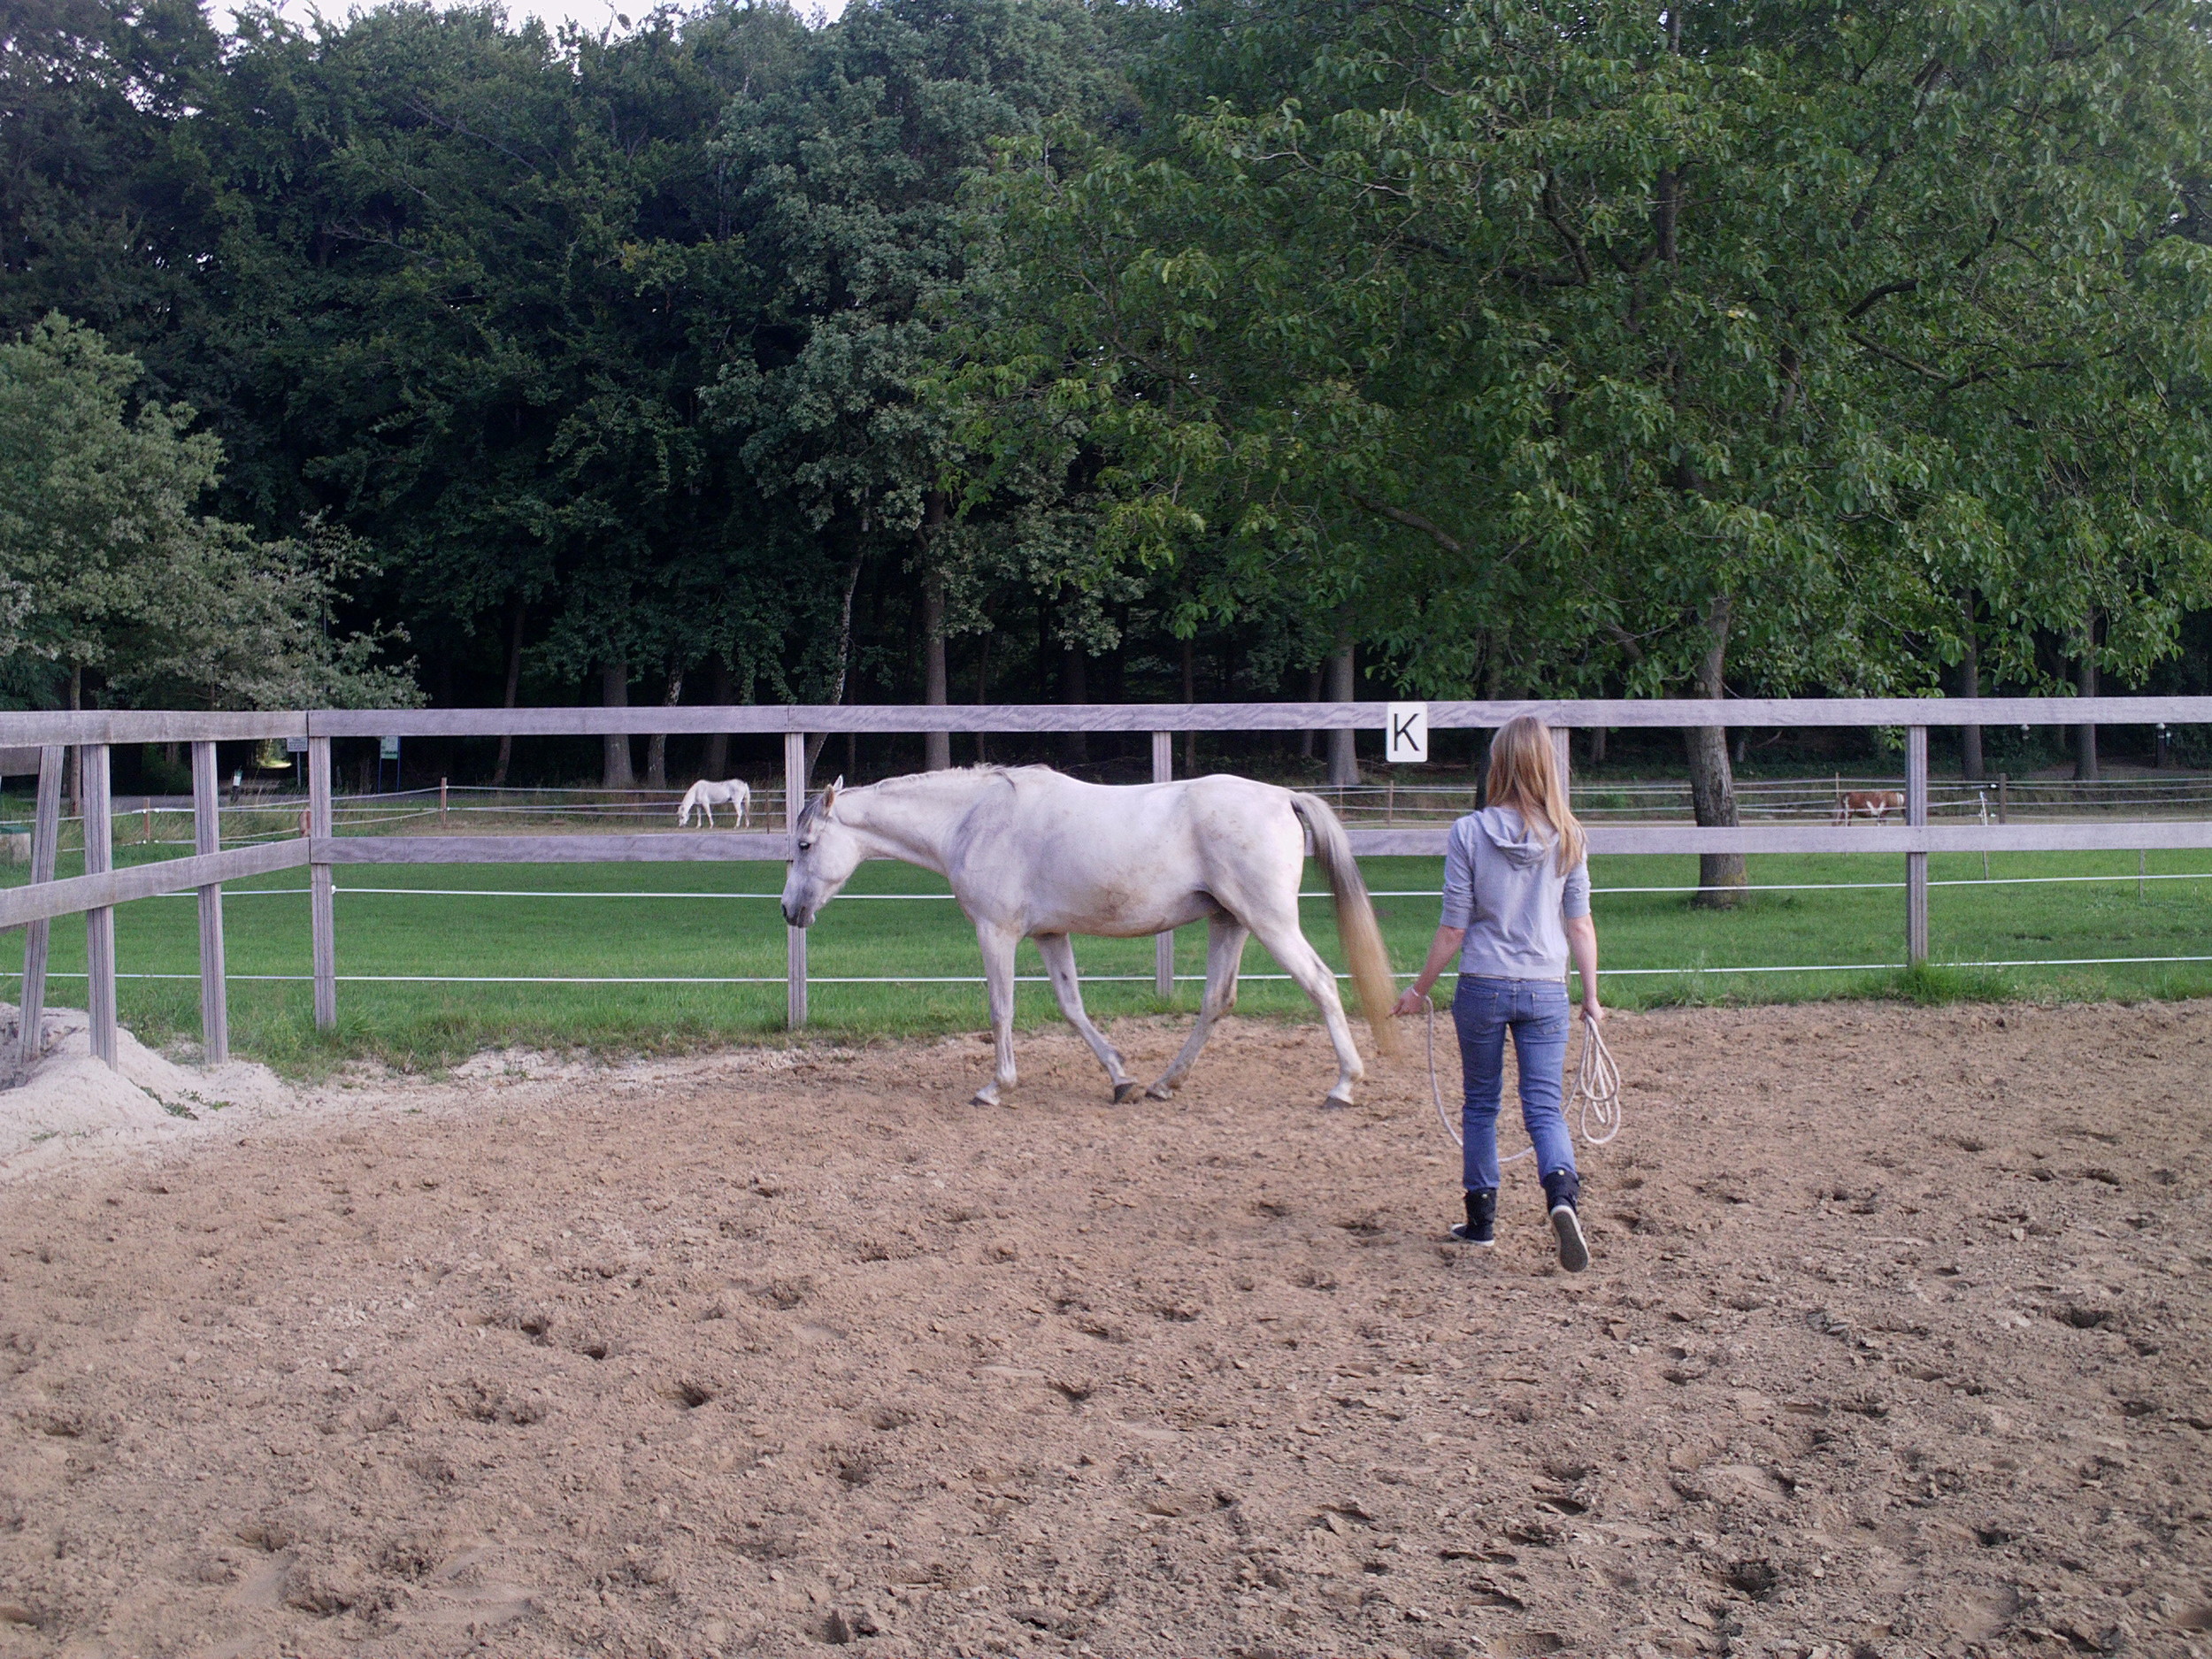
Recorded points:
(1592,1010)
(1442,948)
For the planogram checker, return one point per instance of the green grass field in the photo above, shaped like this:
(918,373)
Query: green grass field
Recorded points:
(725,924)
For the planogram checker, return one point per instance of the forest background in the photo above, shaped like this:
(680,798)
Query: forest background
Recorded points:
(1032,350)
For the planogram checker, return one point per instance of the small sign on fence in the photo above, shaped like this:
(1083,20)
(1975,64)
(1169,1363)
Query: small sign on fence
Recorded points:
(387,748)
(296,746)
(1408,731)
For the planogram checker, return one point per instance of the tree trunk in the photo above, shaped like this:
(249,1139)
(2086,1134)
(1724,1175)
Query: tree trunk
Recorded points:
(1075,748)
(614,693)
(719,691)
(1313,695)
(1190,695)
(1479,752)
(76,750)
(936,746)
(844,656)
(2086,736)
(1597,747)
(514,687)
(1721,877)
(657,745)
(1971,685)
(1343,757)
(982,689)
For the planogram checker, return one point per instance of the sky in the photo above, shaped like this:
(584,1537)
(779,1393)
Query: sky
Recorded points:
(591,14)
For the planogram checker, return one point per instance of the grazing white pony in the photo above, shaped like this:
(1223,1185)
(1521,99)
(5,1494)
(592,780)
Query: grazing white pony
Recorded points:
(706,796)
(1033,854)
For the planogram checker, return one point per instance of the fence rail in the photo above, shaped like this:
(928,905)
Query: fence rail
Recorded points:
(322,850)
(123,726)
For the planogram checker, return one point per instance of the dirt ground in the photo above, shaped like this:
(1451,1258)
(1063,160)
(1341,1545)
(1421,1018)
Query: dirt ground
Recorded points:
(1896,1343)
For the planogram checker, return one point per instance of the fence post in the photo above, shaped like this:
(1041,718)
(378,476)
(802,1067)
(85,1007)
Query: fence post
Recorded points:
(1563,756)
(1916,864)
(207,837)
(321,906)
(1164,944)
(45,843)
(99,924)
(794,938)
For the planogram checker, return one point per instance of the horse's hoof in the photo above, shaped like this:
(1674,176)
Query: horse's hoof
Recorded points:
(1159,1091)
(1123,1091)
(983,1097)
(1336,1104)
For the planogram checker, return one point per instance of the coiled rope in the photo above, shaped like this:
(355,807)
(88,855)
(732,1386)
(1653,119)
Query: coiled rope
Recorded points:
(1596,1093)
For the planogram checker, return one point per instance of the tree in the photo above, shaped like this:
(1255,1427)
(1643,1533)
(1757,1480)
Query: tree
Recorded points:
(1559,343)
(107,569)
(849,176)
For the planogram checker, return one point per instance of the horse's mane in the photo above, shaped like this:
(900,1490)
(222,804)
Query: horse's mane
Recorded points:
(918,782)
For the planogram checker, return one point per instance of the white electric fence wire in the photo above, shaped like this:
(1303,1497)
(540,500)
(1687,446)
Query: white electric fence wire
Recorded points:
(1090,979)
(1596,1093)
(1782,886)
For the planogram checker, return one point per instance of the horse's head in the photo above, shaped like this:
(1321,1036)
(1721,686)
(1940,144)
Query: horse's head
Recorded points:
(822,861)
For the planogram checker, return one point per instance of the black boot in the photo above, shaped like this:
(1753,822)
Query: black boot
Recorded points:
(1481,1225)
(1562,1188)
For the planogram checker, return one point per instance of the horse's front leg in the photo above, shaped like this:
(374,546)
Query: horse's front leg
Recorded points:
(1059,953)
(998,975)
(1224,950)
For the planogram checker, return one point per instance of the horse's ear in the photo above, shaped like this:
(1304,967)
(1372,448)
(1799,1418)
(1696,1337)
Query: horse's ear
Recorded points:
(829,796)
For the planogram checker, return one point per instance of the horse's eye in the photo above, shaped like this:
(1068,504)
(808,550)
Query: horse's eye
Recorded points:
(803,845)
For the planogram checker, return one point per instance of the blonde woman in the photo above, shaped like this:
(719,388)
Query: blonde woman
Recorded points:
(1516,905)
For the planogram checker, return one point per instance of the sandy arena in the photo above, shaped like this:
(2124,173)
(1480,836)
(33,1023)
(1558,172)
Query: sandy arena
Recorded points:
(1896,1344)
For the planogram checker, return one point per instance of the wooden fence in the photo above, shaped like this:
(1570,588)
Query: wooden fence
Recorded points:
(96,893)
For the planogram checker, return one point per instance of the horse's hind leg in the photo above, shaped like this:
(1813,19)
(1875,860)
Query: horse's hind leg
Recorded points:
(1304,964)
(1224,950)
(998,975)
(1059,953)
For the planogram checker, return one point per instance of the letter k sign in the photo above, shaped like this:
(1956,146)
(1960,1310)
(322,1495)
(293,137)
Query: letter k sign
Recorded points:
(1408,731)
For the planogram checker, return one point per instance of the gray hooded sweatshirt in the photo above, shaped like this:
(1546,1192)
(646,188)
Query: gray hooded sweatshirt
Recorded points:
(1502,883)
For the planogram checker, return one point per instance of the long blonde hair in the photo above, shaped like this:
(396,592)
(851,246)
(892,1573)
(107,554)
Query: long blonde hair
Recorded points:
(1523,775)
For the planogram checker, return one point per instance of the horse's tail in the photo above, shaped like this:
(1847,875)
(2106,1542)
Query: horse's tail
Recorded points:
(1355,923)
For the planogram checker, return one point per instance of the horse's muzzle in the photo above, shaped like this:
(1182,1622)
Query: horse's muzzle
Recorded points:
(796,917)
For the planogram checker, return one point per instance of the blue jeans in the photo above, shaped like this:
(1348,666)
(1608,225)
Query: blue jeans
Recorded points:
(1536,1012)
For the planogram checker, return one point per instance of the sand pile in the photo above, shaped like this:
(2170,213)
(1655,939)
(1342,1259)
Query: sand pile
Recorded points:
(70,1104)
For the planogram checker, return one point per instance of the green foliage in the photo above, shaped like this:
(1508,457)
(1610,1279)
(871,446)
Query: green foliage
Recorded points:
(1530,347)
(847,176)
(1589,337)
(106,564)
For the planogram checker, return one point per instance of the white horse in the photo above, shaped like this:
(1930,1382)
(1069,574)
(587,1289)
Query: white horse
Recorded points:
(1033,854)
(706,796)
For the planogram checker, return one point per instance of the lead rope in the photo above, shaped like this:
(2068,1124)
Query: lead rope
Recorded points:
(1596,1092)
